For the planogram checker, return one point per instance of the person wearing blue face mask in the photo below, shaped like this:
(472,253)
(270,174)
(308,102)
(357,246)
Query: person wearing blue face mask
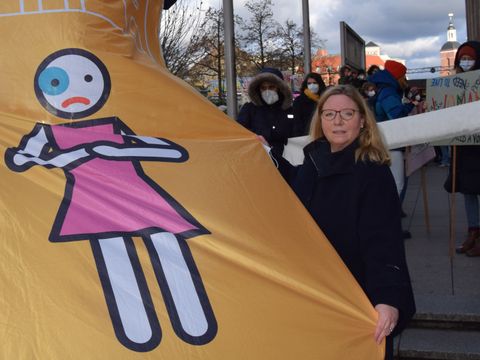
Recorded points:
(269,112)
(304,105)
(467,167)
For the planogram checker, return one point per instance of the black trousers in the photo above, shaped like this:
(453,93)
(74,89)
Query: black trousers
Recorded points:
(389,348)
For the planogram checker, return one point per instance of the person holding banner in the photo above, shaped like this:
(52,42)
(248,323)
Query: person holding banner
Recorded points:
(269,112)
(467,169)
(346,185)
(388,105)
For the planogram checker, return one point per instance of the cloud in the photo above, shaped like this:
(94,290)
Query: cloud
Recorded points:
(410,29)
(415,47)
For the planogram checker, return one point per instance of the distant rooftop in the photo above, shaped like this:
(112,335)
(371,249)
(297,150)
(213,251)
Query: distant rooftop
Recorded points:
(450,45)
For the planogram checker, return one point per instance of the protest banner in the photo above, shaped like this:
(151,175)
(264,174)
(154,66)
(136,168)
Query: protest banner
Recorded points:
(137,220)
(426,128)
(451,91)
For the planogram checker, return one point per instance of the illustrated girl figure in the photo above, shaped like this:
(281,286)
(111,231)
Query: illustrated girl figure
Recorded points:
(109,199)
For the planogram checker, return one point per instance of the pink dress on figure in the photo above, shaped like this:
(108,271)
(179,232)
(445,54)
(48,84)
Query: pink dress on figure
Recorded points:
(107,198)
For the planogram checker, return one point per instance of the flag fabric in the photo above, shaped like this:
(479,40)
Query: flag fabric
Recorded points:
(137,220)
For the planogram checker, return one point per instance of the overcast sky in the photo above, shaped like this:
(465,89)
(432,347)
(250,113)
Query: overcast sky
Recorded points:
(413,30)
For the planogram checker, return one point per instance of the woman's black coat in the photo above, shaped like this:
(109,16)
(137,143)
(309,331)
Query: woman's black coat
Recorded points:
(467,156)
(467,169)
(271,121)
(357,207)
(303,109)
(274,122)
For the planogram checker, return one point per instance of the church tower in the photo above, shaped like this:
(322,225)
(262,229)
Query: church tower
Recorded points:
(449,49)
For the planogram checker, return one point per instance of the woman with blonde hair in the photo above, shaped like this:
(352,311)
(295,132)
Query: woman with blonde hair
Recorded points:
(371,146)
(346,185)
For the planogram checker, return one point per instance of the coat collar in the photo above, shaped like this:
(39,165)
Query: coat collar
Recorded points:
(327,163)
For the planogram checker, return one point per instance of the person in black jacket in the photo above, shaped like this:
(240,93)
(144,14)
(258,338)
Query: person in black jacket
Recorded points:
(304,105)
(269,112)
(468,161)
(346,185)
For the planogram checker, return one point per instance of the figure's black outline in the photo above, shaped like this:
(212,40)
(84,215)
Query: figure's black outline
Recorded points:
(120,128)
(51,150)
(107,85)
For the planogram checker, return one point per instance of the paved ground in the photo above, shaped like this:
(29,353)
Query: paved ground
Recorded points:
(446,288)
(432,269)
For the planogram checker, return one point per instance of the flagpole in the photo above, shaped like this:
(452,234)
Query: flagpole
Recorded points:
(230,73)
(306,38)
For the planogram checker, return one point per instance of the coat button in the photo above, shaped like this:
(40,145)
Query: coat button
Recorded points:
(273,127)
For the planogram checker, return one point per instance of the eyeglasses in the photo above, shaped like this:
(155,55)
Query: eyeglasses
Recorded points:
(330,115)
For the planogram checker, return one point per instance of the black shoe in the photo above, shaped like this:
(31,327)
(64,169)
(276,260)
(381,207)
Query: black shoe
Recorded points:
(406,234)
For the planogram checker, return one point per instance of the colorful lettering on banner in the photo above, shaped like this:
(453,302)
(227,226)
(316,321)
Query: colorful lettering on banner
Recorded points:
(451,91)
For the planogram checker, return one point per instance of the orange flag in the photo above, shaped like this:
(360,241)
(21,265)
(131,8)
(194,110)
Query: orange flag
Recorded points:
(137,220)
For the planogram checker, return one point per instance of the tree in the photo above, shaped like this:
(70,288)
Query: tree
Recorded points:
(212,64)
(290,45)
(259,32)
(179,40)
(211,38)
(315,41)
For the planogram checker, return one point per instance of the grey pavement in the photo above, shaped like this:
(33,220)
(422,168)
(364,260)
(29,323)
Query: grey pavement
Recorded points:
(434,273)
(446,288)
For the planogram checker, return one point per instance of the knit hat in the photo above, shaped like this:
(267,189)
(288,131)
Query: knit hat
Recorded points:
(272,71)
(466,50)
(395,68)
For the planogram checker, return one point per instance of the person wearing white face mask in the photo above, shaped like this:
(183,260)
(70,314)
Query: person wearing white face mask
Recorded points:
(467,162)
(304,105)
(269,112)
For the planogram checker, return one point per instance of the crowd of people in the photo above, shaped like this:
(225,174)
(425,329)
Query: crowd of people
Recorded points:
(350,183)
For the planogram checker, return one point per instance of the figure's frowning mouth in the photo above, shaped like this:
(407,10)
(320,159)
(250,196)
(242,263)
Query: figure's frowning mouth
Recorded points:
(75,100)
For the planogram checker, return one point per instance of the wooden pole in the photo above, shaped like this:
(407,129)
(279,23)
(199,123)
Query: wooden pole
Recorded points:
(451,246)
(452,202)
(425,198)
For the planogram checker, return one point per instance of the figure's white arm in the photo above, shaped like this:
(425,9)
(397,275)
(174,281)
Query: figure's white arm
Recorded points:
(151,149)
(30,154)
(21,158)
(143,153)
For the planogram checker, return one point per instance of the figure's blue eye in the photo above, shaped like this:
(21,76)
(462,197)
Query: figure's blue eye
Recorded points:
(53,81)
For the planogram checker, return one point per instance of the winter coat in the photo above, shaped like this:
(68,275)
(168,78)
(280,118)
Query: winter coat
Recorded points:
(274,122)
(467,157)
(303,109)
(388,99)
(357,207)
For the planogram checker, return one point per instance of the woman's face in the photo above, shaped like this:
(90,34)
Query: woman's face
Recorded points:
(339,130)
(403,82)
(466,62)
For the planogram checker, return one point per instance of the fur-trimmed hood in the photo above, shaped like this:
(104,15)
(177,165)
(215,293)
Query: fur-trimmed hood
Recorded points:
(284,91)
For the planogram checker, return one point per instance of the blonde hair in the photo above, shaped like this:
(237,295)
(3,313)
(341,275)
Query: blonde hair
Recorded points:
(371,146)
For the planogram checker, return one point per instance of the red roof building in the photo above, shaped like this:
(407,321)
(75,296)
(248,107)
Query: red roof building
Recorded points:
(328,65)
